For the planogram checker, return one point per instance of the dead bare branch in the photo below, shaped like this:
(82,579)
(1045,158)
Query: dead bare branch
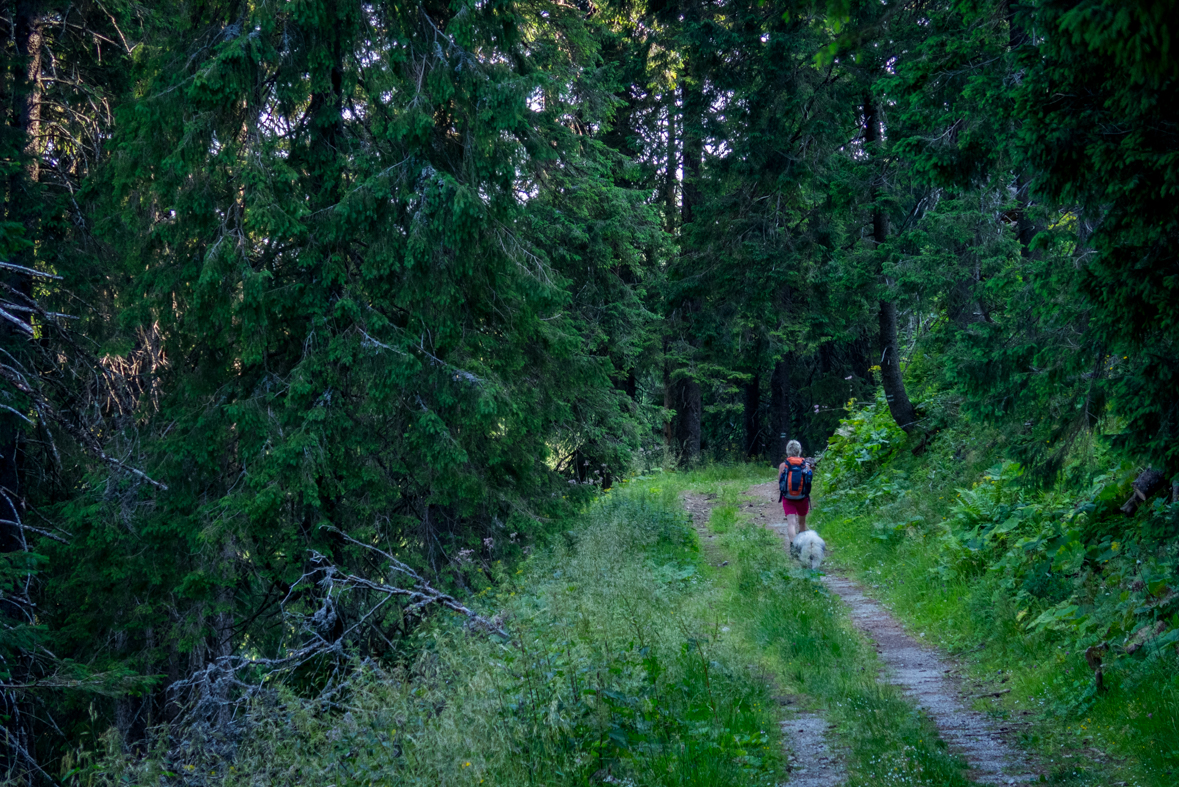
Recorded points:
(28,271)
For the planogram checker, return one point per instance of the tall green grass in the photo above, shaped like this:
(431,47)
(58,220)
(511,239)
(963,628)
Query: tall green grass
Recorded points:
(617,669)
(797,633)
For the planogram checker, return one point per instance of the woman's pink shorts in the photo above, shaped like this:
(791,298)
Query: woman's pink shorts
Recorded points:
(800,507)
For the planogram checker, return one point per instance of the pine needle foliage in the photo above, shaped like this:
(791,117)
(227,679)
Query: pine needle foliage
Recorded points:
(390,274)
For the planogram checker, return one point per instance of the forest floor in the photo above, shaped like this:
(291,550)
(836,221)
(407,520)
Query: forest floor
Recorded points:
(929,681)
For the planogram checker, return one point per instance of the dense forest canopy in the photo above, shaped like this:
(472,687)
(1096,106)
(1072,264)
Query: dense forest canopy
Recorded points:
(312,311)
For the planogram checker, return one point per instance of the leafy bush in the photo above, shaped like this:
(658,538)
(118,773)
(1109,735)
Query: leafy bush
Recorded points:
(865,439)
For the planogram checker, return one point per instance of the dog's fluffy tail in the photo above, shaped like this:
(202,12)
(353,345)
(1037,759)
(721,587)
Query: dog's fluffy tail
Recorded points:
(808,548)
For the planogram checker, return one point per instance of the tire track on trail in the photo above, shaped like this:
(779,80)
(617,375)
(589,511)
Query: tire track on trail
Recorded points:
(925,677)
(812,763)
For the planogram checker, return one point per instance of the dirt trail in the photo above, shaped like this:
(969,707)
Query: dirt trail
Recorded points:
(924,676)
(699,507)
(812,762)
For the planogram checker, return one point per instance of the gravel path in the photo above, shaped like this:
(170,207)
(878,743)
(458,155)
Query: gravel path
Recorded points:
(812,762)
(924,676)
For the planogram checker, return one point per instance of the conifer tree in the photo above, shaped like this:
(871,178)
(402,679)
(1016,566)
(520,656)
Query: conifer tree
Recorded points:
(385,271)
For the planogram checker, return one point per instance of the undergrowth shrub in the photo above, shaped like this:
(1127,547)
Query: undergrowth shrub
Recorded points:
(865,439)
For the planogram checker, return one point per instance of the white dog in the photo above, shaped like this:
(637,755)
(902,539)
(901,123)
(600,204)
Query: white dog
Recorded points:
(808,548)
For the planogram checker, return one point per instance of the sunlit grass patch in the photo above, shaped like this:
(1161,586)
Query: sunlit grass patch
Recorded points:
(728,479)
(723,518)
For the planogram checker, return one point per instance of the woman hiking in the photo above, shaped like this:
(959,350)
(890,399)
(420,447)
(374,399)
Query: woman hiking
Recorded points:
(794,484)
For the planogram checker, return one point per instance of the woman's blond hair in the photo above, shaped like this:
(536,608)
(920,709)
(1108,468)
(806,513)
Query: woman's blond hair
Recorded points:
(794,448)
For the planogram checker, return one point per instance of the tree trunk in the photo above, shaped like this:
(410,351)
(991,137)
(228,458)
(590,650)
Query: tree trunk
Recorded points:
(673,163)
(692,137)
(688,403)
(1025,228)
(890,363)
(693,144)
(890,370)
(668,400)
(753,434)
(862,352)
(687,399)
(23,107)
(27,79)
(781,421)
(20,209)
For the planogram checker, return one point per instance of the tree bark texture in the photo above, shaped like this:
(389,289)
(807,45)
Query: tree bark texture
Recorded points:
(890,357)
(27,29)
(890,370)
(781,406)
(753,432)
(673,165)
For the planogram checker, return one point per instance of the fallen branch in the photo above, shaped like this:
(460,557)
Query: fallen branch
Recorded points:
(420,595)
(1146,484)
(21,325)
(28,271)
(999,693)
(459,374)
(36,530)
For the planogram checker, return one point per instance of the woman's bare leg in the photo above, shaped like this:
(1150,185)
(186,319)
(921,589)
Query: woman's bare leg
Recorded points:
(791,528)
